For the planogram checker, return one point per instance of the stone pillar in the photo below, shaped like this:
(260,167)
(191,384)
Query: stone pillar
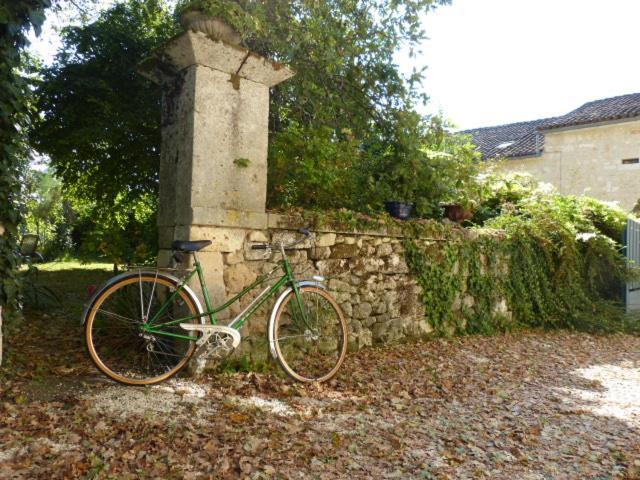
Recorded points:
(213,166)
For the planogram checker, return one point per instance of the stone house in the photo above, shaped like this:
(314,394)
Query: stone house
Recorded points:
(592,150)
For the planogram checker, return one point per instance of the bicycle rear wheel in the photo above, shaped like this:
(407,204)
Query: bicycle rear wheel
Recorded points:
(116,340)
(310,335)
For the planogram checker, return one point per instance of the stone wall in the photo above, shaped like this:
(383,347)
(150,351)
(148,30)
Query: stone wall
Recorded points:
(213,181)
(365,271)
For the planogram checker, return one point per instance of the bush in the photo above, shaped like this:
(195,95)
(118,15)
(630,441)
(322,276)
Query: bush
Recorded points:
(565,265)
(418,162)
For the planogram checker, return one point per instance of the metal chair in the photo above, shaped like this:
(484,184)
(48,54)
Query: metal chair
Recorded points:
(28,247)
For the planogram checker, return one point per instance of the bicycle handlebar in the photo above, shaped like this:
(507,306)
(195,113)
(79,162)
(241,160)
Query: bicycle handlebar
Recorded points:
(265,246)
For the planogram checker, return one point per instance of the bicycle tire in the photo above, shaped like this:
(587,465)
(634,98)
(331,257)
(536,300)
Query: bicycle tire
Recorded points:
(308,358)
(124,364)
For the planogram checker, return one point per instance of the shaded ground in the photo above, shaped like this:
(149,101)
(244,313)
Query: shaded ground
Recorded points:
(525,406)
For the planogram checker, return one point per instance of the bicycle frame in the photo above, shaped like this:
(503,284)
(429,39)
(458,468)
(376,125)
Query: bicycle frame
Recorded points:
(287,278)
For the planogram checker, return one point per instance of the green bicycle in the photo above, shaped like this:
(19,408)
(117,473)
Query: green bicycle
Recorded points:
(142,327)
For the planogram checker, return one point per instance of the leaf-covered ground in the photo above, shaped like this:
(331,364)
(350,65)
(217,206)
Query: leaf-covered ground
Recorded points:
(522,406)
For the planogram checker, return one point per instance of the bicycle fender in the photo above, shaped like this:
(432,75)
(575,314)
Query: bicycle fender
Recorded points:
(121,276)
(276,306)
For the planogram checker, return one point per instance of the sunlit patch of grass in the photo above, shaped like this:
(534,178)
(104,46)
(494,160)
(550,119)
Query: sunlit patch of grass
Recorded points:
(67,285)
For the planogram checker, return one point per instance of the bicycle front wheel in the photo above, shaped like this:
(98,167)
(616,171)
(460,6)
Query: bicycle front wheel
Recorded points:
(310,335)
(118,343)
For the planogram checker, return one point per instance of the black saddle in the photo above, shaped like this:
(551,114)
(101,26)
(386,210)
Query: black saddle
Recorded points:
(187,246)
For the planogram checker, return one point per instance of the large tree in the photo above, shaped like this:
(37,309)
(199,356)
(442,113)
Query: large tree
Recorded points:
(102,120)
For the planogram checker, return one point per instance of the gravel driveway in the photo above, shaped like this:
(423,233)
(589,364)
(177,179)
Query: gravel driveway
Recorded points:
(521,406)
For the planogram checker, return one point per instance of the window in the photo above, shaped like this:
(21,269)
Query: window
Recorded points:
(629,161)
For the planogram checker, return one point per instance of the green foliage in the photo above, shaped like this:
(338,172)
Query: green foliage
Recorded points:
(555,259)
(129,237)
(331,125)
(101,128)
(47,214)
(346,115)
(428,166)
(315,167)
(242,162)
(16,17)
(228,10)
(101,124)
(423,164)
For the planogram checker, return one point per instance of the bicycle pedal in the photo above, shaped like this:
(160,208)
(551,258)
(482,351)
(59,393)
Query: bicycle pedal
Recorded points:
(208,330)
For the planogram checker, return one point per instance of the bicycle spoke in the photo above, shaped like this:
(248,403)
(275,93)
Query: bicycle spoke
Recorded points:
(310,335)
(119,317)
(121,346)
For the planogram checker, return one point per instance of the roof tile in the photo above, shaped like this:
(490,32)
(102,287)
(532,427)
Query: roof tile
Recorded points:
(527,138)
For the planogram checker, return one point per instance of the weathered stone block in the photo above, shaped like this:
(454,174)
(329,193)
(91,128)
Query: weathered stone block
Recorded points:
(395,264)
(380,308)
(384,249)
(319,253)
(325,240)
(355,325)
(222,239)
(237,277)
(336,285)
(288,237)
(233,258)
(365,338)
(252,255)
(344,250)
(468,301)
(332,267)
(369,322)
(362,310)
(257,236)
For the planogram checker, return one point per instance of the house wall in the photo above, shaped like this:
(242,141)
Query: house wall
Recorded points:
(538,166)
(588,160)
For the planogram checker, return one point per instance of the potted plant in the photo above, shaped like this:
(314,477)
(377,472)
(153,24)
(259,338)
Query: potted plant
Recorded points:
(402,182)
(223,20)
(458,211)
(401,191)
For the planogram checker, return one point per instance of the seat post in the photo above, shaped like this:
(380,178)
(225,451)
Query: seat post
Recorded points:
(203,286)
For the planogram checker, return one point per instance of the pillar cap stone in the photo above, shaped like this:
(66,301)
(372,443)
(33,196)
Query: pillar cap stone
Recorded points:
(197,48)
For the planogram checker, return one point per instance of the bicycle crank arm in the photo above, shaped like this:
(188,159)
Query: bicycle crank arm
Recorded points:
(208,330)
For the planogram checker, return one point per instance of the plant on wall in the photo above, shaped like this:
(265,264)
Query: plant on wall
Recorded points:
(555,260)
(427,165)
(16,17)
(229,11)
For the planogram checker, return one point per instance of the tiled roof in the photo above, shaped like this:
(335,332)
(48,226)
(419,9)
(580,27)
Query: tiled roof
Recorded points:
(615,108)
(527,138)
(511,140)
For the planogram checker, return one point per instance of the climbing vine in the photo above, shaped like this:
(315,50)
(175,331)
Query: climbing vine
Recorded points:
(546,267)
(15,19)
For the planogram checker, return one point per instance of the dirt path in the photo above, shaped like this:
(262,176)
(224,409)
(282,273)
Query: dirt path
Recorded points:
(526,406)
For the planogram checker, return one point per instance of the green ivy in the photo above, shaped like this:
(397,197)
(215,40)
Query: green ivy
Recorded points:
(539,263)
(16,17)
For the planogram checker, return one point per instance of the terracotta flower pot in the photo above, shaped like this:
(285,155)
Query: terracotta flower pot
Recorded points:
(215,27)
(457,213)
